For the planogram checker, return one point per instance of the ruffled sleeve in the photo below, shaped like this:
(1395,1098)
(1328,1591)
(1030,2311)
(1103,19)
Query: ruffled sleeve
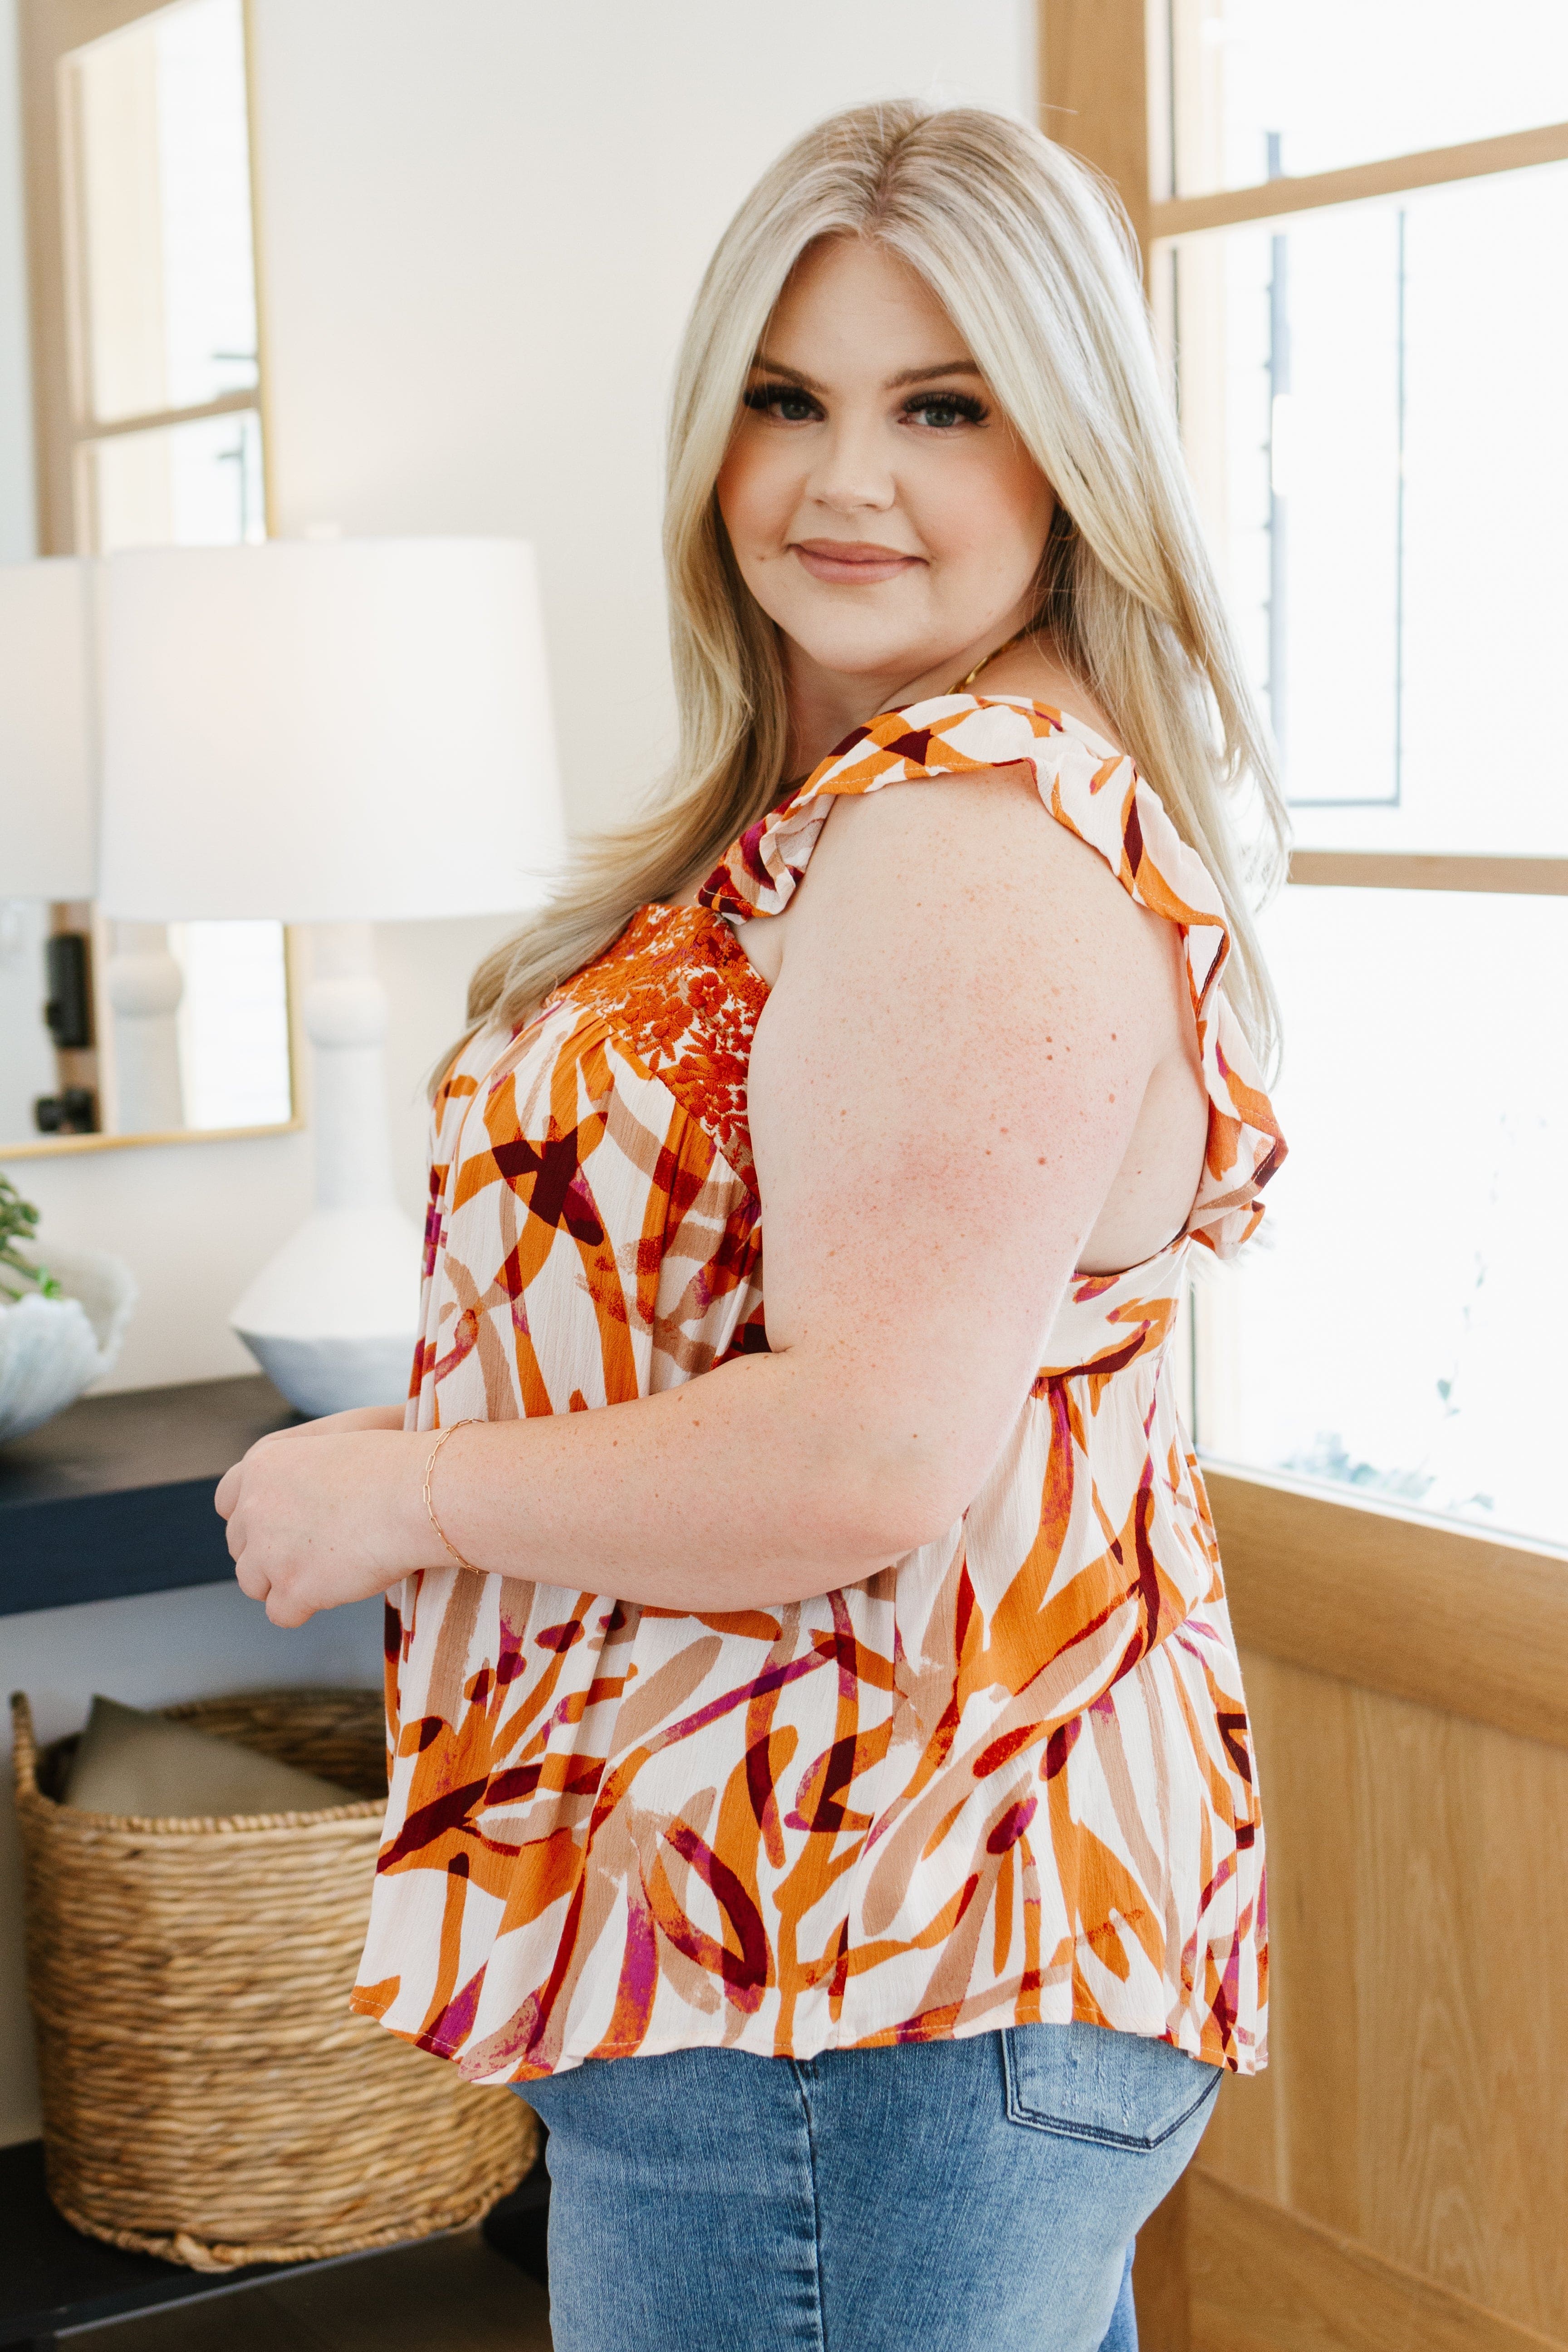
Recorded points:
(1097,793)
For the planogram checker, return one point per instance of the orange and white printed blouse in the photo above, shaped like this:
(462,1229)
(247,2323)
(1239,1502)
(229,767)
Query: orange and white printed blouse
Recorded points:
(1008,1779)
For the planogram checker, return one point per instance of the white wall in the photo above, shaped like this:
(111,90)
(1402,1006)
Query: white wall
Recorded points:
(483,227)
(17,541)
(480,228)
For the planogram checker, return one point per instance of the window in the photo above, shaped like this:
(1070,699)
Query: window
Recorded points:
(1353,239)
(1315,85)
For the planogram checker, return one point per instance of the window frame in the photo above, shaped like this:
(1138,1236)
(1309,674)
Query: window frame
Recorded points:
(1368,1593)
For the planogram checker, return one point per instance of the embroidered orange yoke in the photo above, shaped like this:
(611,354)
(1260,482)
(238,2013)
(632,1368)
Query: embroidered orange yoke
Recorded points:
(1008,1779)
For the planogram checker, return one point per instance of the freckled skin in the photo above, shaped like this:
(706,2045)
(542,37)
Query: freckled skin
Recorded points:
(975,1071)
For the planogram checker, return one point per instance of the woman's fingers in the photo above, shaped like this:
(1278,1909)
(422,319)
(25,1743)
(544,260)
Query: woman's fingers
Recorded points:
(251,1576)
(307,1525)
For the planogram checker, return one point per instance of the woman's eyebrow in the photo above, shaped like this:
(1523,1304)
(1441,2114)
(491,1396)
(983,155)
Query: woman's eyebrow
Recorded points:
(778,367)
(894,383)
(927,375)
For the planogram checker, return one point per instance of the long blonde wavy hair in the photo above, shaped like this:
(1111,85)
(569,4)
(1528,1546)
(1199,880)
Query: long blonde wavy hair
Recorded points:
(1032,259)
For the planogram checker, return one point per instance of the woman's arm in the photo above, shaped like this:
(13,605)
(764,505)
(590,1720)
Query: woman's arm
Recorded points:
(943,1085)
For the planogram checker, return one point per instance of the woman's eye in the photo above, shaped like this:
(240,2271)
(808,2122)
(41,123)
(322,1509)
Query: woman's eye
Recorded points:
(942,410)
(785,401)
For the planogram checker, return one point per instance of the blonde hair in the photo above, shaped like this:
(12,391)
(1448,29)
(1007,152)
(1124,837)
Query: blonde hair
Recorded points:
(1031,257)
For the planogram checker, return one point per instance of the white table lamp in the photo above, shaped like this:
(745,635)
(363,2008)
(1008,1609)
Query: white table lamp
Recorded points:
(337,733)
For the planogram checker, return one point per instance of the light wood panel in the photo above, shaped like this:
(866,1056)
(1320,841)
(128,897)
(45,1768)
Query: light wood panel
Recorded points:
(1161,2285)
(1264,2280)
(1397,869)
(1415,2102)
(1470,1623)
(1475,158)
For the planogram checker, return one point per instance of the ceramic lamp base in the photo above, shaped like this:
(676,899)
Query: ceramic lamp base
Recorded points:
(320,1376)
(331,1319)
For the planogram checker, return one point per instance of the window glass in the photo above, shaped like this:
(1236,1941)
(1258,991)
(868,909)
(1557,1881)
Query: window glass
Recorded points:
(1398,1329)
(1372,401)
(1297,85)
(158,130)
(196,485)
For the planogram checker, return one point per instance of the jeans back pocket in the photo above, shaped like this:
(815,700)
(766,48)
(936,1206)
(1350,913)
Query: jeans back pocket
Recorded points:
(1089,2082)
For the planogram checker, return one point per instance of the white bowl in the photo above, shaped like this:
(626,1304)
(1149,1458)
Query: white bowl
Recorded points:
(52,1348)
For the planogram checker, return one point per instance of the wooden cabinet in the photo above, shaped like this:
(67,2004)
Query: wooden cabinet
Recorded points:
(1396,2179)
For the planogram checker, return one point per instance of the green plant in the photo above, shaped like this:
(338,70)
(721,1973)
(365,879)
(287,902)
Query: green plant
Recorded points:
(19,1221)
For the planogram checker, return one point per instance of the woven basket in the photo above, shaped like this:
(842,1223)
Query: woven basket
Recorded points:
(207,2094)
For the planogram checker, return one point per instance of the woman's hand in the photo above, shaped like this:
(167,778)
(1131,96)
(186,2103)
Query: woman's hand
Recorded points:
(329,1512)
(359,1416)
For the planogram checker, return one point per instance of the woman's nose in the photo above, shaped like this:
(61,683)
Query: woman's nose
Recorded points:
(852,470)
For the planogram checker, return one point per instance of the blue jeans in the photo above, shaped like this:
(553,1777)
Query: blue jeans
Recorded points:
(976,2196)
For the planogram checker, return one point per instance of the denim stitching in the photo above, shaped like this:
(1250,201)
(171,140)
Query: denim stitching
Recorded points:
(799,2071)
(1094,2134)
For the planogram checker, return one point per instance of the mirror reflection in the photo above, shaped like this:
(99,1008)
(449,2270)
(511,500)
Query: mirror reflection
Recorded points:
(115,1029)
(138,1029)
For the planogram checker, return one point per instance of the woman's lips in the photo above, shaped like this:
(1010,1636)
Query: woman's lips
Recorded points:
(858,561)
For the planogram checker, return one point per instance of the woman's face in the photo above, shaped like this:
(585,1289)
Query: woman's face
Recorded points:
(882,511)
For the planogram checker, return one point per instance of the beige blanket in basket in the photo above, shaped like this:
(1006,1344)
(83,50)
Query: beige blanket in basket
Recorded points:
(130,1762)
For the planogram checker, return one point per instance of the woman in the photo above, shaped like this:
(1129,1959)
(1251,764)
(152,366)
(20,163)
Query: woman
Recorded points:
(821,1779)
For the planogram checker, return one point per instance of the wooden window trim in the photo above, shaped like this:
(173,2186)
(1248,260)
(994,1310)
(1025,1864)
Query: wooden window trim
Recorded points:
(1094,91)
(1410,870)
(222,404)
(1426,1609)
(1433,167)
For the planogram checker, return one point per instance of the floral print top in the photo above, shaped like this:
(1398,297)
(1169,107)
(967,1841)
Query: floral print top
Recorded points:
(1009,1778)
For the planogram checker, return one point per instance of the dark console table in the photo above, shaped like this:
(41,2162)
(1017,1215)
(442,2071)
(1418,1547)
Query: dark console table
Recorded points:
(115,1495)
(53,2280)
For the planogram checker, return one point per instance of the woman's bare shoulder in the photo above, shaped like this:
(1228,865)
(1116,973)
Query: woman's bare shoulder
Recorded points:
(1035,670)
(978,856)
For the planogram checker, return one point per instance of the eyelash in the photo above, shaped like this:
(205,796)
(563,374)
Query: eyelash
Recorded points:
(761,397)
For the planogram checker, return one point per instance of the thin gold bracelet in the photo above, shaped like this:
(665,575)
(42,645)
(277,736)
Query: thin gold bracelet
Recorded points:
(451,1426)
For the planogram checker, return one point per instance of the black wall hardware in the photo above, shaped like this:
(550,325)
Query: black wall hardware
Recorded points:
(73,1111)
(68,1010)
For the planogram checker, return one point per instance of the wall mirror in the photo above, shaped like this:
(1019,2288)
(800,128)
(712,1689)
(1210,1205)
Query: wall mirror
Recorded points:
(149,382)
(125,1031)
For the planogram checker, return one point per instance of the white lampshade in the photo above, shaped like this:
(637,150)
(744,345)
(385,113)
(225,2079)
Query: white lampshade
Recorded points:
(47,784)
(326,731)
